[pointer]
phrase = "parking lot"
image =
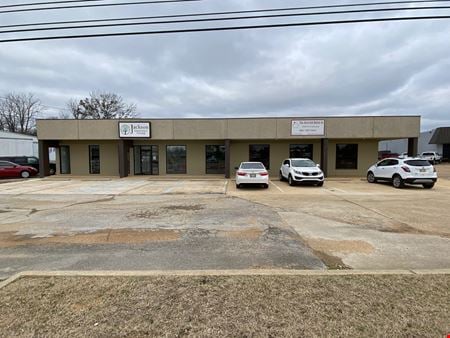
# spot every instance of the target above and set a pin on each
(142, 223)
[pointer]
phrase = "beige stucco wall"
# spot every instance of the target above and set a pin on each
(375, 127)
(79, 157)
(196, 161)
(367, 155)
(195, 154)
(279, 151)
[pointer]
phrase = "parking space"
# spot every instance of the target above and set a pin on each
(193, 224)
(366, 226)
(134, 186)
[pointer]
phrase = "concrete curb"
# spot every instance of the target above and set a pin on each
(279, 272)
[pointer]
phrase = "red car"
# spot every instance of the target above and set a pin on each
(9, 169)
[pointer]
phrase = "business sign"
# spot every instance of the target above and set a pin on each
(134, 129)
(308, 128)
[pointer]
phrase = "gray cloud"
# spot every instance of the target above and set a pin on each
(366, 69)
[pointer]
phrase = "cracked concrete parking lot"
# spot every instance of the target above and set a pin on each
(140, 224)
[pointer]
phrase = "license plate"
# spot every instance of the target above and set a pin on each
(252, 175)
(423, 170)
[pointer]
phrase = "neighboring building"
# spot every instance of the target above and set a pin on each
(437, 140)
(441, 139)
(344, 146)
(13, 144)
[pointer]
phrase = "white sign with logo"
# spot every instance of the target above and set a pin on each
(308, 128)
(134, 129)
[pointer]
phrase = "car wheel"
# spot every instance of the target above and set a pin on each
(52, 171)
(238, 186)
(320, 184)
(24, 174)
(371, 177)
(428, 185)
(281, 177)
(266, 186)
(397, 182)
(291, 180)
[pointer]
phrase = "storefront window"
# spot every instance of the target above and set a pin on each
(64, 152)
(215, 159)
(94, 159)
(176, 159)
(260, 153)
(346, 156)
(301, 151)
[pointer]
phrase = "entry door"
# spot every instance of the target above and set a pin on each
(146, 160)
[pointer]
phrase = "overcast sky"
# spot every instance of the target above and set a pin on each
(397, 68)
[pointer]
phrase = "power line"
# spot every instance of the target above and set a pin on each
(97, 5)
(216, 13)
(45, 3)
(229, 28)
(227, 18)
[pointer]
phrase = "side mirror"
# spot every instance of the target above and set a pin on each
(318, 165)
(236, 168)
(287, 165)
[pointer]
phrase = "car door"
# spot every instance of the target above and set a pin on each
(3, 171)
(391, 168)
(285, 168)
(380, 169)
(7, 169)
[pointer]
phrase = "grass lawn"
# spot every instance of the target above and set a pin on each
(351, 305)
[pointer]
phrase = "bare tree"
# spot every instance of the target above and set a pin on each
(101, 105)
(19, 111)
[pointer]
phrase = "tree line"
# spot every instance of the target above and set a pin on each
(19, 111)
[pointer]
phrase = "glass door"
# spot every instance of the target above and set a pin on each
(146, 160)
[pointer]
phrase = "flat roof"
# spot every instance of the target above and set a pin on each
(247, 128)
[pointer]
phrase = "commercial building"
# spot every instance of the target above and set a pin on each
(437, 140)
(343, 146)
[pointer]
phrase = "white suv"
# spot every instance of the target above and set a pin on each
(401, 171)
(431, 156)
(301, 170)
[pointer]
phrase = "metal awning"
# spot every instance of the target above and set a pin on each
(441, 136)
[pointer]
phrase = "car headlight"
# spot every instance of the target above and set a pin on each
(297, 172)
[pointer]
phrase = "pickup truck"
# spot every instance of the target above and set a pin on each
(431, 156)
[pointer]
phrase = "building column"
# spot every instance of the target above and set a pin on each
(227, 158)
(124, 161)
(44, 161)
(413, 146)
(324, 156)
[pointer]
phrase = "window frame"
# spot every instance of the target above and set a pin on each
(259, 160)
(338, 165)
(90, 159)
(206, 159)
(60, 160)
(302, 144)
(185, 159)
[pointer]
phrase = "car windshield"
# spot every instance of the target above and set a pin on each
(252, 166)
(428, 153)
(303, 163)
(418, 163)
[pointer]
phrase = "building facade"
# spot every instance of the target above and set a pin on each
(343, 146)
(437, 140)
(14, 144)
